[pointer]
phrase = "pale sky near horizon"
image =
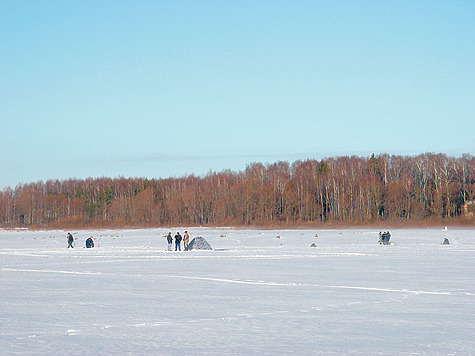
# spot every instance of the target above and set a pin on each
(167, 88)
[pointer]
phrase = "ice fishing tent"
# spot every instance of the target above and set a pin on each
(199, 243)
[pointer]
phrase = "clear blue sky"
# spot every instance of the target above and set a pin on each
(167, 88)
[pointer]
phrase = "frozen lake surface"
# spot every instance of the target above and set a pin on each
(254, 293)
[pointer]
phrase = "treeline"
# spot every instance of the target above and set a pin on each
(347, 190)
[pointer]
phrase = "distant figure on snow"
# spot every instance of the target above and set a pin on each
(170, 241)
(380, 238)
(70, 240)
(178, 241)
(386, 237)
(446, 241)
(89, 243)
(186, 239)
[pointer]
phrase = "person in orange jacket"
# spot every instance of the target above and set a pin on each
(186, 239)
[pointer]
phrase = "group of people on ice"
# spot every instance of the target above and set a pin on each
(384, 238)
(178, 239)
(89, 241)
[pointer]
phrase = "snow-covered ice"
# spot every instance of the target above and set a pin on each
(257, 292)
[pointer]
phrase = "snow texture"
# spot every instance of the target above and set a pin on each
(252, 294)
(199, 243)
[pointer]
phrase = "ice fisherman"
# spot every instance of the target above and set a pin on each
(386, 238)
(170, 241)
(89, 243)
(178, 239)
(70, 240)
(186, 239)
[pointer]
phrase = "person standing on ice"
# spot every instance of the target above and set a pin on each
(170, 241)
(388, 237)
(178, 241)
(186, 239)
(70, 240)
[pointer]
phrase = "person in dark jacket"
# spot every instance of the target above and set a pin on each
(70, 240)
(89, 243)
(178, 241)
(170, 241)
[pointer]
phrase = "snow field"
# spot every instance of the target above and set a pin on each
(253, 294)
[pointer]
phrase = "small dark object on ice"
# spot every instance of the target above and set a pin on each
(313, 245)
(384, 238)
(89, 243)
(446, 241)
(199, 243)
